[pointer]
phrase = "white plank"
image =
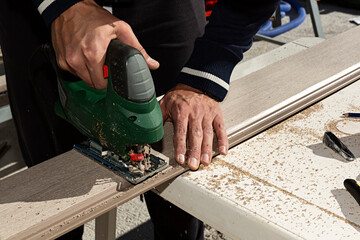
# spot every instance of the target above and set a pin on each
(283, 183)
(267, 96)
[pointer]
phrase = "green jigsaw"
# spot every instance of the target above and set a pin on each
(120, 121)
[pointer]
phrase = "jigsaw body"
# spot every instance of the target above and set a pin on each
(120, 121)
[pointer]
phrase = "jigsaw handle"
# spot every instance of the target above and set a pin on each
(128, 73)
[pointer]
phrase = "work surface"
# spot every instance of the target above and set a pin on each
(283, 183)
(56, 196)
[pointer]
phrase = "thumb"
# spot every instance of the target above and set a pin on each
(126, 35)
(152, 63)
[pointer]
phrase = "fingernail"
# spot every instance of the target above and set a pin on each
(193, 163)
(180, 158)
(222, 150)
(153, 62)
(205, 159)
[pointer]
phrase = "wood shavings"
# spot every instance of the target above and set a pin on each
(235, 175)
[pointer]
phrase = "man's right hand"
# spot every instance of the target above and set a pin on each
(81, 35)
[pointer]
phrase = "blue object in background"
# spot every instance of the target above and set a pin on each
(285, 6)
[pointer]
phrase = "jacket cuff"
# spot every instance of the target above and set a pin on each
(209, 69)
(51, 9)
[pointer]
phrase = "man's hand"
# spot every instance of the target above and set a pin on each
(194, 115)
(81, 35)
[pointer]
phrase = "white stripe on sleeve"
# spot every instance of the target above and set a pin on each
(44, 5)
(206, 75)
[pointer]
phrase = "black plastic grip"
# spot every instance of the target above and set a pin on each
(116, 55)
(353, 188)
(130, 76)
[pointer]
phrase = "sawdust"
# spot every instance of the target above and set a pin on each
(308, 111)
(332, 126)
(103, 181)
(276, 129)
(237, 172)
(285, 125)
(305, 132)
(99, 128)
(356, 108)
(211, 233)
(300, 131)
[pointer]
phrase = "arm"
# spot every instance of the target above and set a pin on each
(49, 10)
(228, 34)
(81, 32)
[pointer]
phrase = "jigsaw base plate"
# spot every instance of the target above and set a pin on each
(133, 172)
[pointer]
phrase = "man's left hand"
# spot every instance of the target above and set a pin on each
(194, 116)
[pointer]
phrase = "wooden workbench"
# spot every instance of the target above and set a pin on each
(62, 193)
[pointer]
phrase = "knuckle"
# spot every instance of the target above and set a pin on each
(179, 116)
(122, 27)
(196, 131)
(198, 113)
(182, 107)
(62, 63)
(72, 60)
(125, 25)
(90, 53)
(100, 84)
(196, 110)
(180, 130)
(220, 126)
(208, 130)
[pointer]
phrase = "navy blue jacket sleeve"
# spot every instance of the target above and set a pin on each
(51, 9)
(229, 33)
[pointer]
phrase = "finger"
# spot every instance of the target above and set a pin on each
(75, 66)
(180, 131)
(206, 146)
(165, 115)
(63, 64)
(195, 137)
(85, 76)
(94, 55)
(130, 39)
(96, 74)
(220, 131)
(61, 61)
(96, 77)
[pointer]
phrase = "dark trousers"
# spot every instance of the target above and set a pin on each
(32, 86)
